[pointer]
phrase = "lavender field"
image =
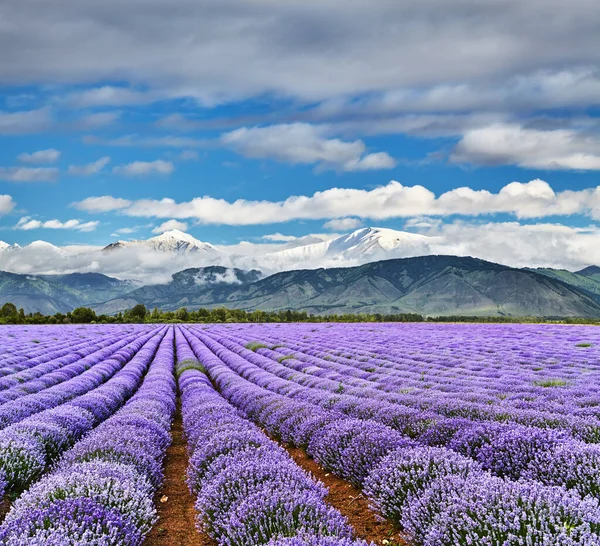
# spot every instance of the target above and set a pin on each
(450, 434)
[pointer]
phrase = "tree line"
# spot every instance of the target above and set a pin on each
(9, 314)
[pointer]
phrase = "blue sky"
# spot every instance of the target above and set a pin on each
(106, 111)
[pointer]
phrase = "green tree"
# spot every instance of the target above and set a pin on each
(83, 315)
(137, 313)
(9, 310)
(182, 314)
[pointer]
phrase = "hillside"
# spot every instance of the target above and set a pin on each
(431, 285)
(587, 280)
(51, 294)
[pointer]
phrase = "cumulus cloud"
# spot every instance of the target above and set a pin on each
(28, 174)
(540, 245)
(248, 49)
(228, 277)
(105, 203)
(90, 168)
(96, 120)
(169, 225)
(25, 122)
(343, 224)
(511, 144)
(6, 204)
(27, 223)
(279, 238)
(545, 244)
(109, 95)
(534, 199)
(144, 168)
(128, 141)
(303, 143)
(124, 231)
(40, 157)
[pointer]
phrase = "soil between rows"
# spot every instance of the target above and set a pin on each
(351, 503)
(176, 524)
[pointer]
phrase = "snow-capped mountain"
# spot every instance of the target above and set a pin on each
(170, 241)
(41, 246)
(6, 246)
(157, 258)
(361, 246)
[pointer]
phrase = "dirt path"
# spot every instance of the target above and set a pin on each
(176, 524)
(351, 503)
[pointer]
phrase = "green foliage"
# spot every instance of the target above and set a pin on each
(139, 313)
(255, 346)
(583, 345)
(549, 383)
(83, 315)
(285, 357)
(185, 365)
(136, 314)
(8, 310)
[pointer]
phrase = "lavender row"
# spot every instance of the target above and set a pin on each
(30, 446)
(51, 372)
(508, 450)
(417, 486)
(93, 373)
(472, 405)
(394, 357)
(248, 490)
(51, 338)
(102, 489)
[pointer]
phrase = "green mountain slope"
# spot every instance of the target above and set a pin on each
(431, 285)
(51, 294)
(588, 279)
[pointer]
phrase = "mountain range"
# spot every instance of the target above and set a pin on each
(430, 285)
(154, 260)
(287, 279)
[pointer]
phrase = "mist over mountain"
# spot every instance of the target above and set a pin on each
(154, 260)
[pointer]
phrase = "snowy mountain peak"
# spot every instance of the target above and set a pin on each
(361, 246)
(42, 245)
(169, 241)
(366, 241)
(3, 245)
(175, 234)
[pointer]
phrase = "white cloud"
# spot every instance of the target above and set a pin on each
(109, 96)
(27, 223)
(127, 141)
(96, 120)
(554, 245)
(90, 168)
(169, 225)
(124, 231)
(6, 204)
(534, 199)
(144, 168)
(511, 144)
(105, 203)
(422, 223)
(279, 238)
(24, 122)
(40, 157)
(343, 224)
(28, 174)
(314, 50)
(303, 143)
(539, 245)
